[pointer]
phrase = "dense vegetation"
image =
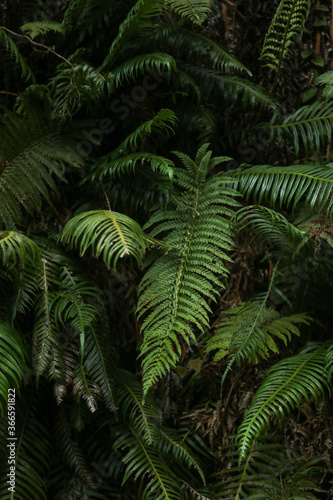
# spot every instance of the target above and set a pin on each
(166, 249)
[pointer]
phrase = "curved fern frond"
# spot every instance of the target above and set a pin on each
(110, 234)
(269, 227)
(144, 459)
(37, 28)
(130, 395)
(16, 248)
(161, 125)
(311, 125)
(174, 290)
(30, 155)
(229, 86)
(157, 62)
(129, 163)
(195, 10)
(287, 383)
(327, 80)
(13, 355)
(285, 185)
(288, 21)
(11, 48)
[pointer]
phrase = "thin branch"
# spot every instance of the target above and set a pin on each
(37, 44)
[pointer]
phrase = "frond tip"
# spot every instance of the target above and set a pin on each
(110, 234)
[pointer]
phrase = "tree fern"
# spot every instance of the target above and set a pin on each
(287, 185)
(16, 248)
(173, 291)
(110, 234)
(288, 22)
(287, 383)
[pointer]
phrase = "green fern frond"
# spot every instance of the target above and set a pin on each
(269, 227)
(310, 125)
(229, 86)
(287, 185)
(73, 455)
(288, 22)
(195, 10)
(145, 416)
(174, 290)
(161, 125)
(98, 365)
(327, 80)
(13, 51)
(24, 289)
(31, 154)
(110, 234)
(37, 28)
(144, 459)
(246, 333)
(156, 62)
(287, 383)
(78, 84)
(46, 351)
(129, 163)
(16, 248)
(14, 356)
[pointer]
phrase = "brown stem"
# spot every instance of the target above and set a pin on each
(37, 44)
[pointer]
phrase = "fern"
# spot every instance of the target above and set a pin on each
(16, 248)
(327, 80)
(129, 163)
(30, 155)
(287, 383)
(195, 10)
(142, 64)
(287, 23)
(13, 51)
(174, 289)
(270, 228)
(110, 234)
(287, 185)
(37, 28)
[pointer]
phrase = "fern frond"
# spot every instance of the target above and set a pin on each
(310, 125)
(327, 80)
(229, 86)
(37, 28)
(195, 10)
(288, 22)
(31, 153)
(161, 125)
(14, 356)
(156, 62)
(144, 459)
(110, 234)
(129, 163)
(174, 290)
(287, 185)
(98, 364)
(269, 227)
(46, 351)
(24, 289)
(246, 333)
(287, 383)
(13, 51)
(16, 248)
(145, 416)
